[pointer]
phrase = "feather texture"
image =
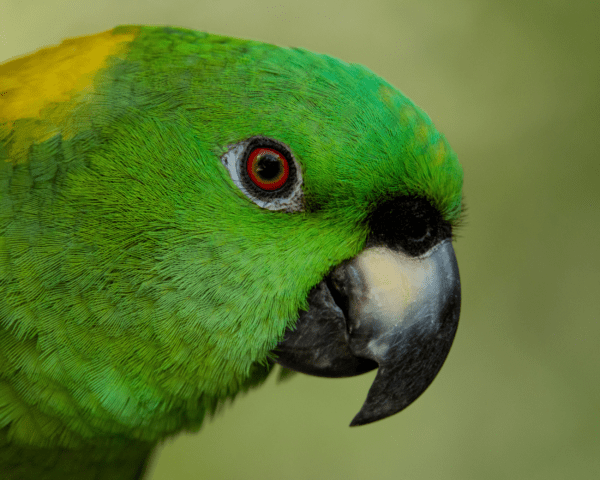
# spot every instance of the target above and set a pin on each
(138, 286)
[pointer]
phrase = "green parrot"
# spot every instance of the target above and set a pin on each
(181, 211)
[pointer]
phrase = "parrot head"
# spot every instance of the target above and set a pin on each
(204, 206)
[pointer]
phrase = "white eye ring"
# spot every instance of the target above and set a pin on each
(290, 199)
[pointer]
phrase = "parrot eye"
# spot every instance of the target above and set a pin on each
(265, 170)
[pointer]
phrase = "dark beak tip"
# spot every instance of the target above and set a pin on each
(372, 411)
(359, 420)
(367, 415)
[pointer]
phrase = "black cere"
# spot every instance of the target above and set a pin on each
(410, 223)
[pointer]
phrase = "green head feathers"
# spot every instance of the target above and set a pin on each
(138, 284)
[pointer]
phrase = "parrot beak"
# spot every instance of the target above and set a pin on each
(385, 309)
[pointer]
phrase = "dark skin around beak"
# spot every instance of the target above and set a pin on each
(385, 309)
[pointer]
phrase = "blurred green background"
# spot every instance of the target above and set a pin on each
(515, 87)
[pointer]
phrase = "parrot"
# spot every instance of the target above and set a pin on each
(181, 212)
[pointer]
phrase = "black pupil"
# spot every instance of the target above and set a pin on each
(268, 167)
